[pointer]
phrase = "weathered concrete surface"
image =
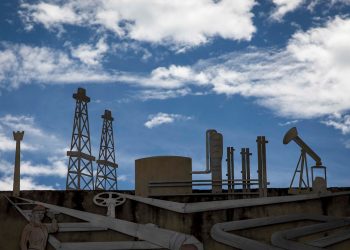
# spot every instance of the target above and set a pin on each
(197, 224)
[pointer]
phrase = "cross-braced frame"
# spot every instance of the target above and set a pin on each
(80, 169)
(106, 175)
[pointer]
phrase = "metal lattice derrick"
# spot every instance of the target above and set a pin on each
(80, 168)
(106, 175)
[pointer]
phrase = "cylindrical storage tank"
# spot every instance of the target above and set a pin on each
(163, 171)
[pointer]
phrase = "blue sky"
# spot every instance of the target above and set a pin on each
(170, 70)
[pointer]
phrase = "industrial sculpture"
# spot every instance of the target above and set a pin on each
(109, 200)
(18, 137)
(214, 151)
(35, 233)
(262, 174)
(246, 181)
(106, 175)
(150, 236)
(230, 169)
(301, 168)
(246, 169)
(80, 172)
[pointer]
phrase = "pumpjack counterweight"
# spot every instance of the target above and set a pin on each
(106, 175)
(80, 169)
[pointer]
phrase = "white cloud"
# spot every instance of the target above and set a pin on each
(22, 64)
(21, 122)
(179, 23)
(49, 15)
(55, 167)
(347, 144)
(91, 55)
(307, 79)
(288, 123)
(164, 118)
(175, 76)
(10, 123)
(122, 177)
(284, 6)
(156, 94)
(123, 48)
(35, 138)
(340, 122)
(27, 183)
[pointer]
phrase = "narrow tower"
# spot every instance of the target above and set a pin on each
(106, 176)
(80, 173)
(18, 137)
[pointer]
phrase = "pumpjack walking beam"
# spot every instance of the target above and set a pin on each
(106, 176)
(80, 169)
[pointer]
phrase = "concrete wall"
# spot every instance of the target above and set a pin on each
(197, 224)
(162, 168)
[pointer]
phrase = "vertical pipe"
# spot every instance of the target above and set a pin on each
(264, 173)
(307, 172)
(244, 177)
(232, 169)
(17, 136)
(228, 160)
(216, 153)
(247, 155)
(301, 169)
(260, 168)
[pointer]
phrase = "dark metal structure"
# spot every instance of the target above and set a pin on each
(106, 175)
(18, 137)
(302, 166)
(245, 169)
(230, 169)
(80, 169)
(262, 175)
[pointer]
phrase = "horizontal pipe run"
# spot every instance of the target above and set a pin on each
(189, 181)
(197, 184)
(159, 236)
(196, 207)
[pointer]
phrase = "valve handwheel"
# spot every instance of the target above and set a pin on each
(109, 200)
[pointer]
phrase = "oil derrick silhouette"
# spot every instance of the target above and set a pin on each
(80, 171)
(106, 176)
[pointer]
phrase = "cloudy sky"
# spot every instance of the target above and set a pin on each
(170, 70)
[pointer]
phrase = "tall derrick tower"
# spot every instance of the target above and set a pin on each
(106, 176)
(80, 170)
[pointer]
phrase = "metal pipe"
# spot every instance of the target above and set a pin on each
(191, 181)
(162, 237)
(195, 207)
(18, 137)
(221, 231)
(308, 150)
(264, 173)
(199, 184)
(207, 153)
(247, 155)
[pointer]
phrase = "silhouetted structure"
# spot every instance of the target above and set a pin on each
(245, 169)
(302, 166)
(106, 175)
(230, 169)
(80, 173)
(262, 175)
(18, 137)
